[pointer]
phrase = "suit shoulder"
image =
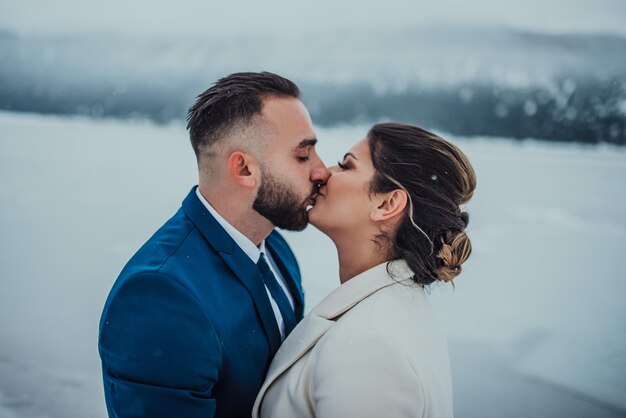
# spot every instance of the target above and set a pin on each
(150, 322)
(175, 234)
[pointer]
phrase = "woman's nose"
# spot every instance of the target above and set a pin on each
(334, 169)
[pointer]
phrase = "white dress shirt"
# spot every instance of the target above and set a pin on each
(254, 253)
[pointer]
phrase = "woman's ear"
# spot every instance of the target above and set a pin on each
(243, 168)
(389, 205)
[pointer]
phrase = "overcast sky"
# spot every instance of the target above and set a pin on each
(202, 17)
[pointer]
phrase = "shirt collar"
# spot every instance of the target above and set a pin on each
(240, 239)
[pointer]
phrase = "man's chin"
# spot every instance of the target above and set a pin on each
(294, 223)
(293, 227)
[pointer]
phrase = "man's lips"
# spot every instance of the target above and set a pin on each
(310, 202)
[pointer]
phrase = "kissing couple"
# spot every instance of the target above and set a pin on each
(206, 319)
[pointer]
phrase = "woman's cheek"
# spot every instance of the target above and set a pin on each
(350, 210)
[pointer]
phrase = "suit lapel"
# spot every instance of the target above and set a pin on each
(244, 269)
(249, 275)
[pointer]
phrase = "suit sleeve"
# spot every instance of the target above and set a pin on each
(362, 374)
(160, 353)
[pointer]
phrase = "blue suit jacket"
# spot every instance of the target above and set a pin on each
(188, 329)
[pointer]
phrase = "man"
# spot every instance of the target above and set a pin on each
(197, 314)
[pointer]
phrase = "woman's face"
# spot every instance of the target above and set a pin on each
(344, 202)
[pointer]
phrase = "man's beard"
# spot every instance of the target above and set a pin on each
(280, 204)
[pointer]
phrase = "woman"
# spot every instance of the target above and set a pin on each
(373, 347)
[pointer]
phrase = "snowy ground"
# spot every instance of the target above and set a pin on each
(537, 321)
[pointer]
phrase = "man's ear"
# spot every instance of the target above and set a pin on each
(243, 168)
(388, 205)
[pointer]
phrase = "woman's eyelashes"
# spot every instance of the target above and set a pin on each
(347, 164)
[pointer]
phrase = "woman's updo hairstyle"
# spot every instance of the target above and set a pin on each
(437, 178)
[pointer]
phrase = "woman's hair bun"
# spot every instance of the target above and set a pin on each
(455, 250)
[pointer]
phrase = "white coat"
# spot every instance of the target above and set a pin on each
(372, 348)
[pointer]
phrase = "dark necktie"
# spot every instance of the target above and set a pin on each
(289, 317)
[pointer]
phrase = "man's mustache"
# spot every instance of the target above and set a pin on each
(314, 192)
(316, 189)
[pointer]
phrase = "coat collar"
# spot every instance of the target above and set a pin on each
(360, 287)
(304, 337)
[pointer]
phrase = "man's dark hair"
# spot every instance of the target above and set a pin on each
(232, 101)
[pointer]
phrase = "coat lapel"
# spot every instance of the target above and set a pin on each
(300, 341)
(244, 269)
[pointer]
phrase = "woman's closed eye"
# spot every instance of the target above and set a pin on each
(343, 166)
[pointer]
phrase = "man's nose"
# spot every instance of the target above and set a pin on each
(320, 174)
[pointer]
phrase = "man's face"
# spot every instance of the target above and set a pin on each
(291, 170)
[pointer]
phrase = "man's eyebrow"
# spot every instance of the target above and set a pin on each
(310, 142)
(351, 155)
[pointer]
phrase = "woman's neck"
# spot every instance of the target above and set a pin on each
(357, 256)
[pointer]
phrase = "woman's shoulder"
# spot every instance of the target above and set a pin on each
(400, 312)
(401, 302)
